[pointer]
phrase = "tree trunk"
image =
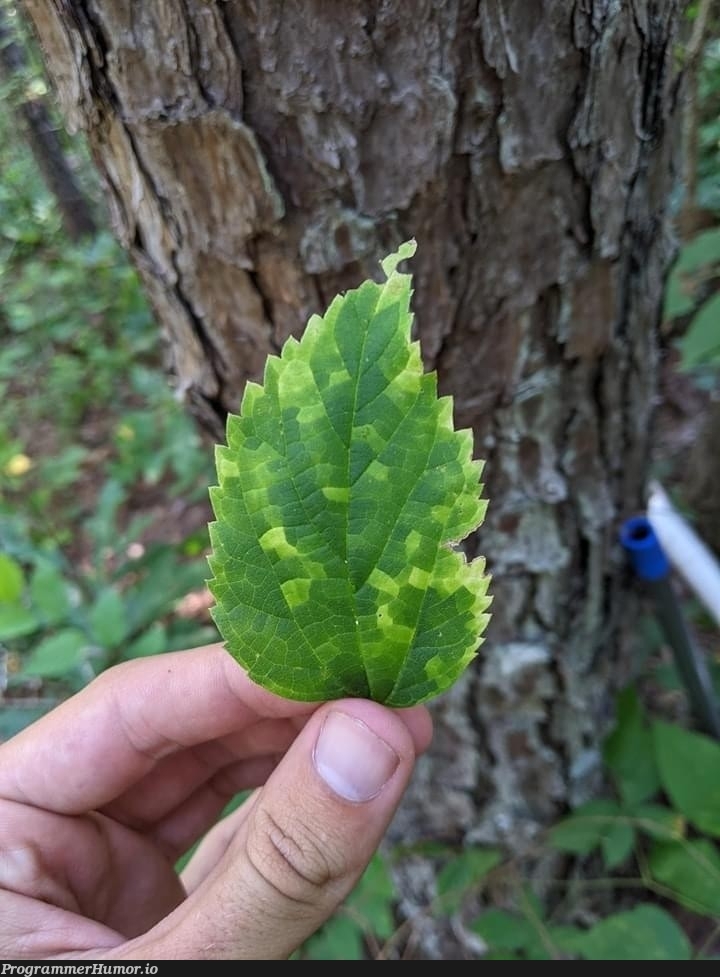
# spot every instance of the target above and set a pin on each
(43, 139)
(262, 157)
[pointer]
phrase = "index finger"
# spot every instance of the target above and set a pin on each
(96, 745)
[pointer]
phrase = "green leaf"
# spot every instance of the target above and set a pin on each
(701, 251)
(695, 263)
(16, 621)
(108, 619)
(339, 939)
(629, 754)
(14, 718)
(668, 678)
(463, 873)
(509, 933)
(691, 870)
(689, 765)
(585, 830)
(677, 300)
(12, 580)
(645, 932)
(701, 343)
(151, 642)
(617, 843)
(367, 912)
(373, 898)
(49, 593)
(57, 654)
(659, 822)
(567, 939)
(503, 955)
(530, 902)
(232, 805)
(502, 930)
(342, 493)
(190, 636)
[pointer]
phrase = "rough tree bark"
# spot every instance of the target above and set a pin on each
(261, 157)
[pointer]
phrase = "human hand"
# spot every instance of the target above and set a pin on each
(99, 799)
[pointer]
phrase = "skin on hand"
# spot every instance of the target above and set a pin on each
(100, 798)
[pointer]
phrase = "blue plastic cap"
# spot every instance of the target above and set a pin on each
(646, 554)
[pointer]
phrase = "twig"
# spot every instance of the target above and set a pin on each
(537, 924)
(707, 942)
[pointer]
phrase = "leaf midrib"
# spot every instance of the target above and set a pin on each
(351, 429)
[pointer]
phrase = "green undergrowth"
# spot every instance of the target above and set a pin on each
(103, 476)
(648, 849)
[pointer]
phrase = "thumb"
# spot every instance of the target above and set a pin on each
(307, 838)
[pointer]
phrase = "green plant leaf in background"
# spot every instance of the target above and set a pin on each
(108, 619)
(366, 917)
(628, 752)
(504, 931)
(341, 938)
(342, 494)
(14, 718)
(12, 580)
(659, 822)
(510, 936)
(57, 654)
(462, 874)
(151, 642)
(691, 871)
(617, 843)
(587, 827)
(689, 765)
(701, 343)
(700, 253)
(697, 261)
(645, 932)
(16, 621)
(49, 593)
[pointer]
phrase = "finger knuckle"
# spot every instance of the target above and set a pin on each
(293, 859)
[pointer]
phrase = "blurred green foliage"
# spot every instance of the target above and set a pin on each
(694, 298)
(692, 302)
(709, 127)
(655, 838)
(89, 430)
(648, 847)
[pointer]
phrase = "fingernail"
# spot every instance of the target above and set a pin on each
(351, 759)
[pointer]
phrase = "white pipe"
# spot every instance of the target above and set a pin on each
(685, 550)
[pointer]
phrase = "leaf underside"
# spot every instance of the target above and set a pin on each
(342, 489)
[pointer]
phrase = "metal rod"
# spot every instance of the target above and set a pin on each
(652, 567)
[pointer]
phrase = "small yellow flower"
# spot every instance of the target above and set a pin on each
(125, 432)
(679, 827)
(18, 465)
(13, 664)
